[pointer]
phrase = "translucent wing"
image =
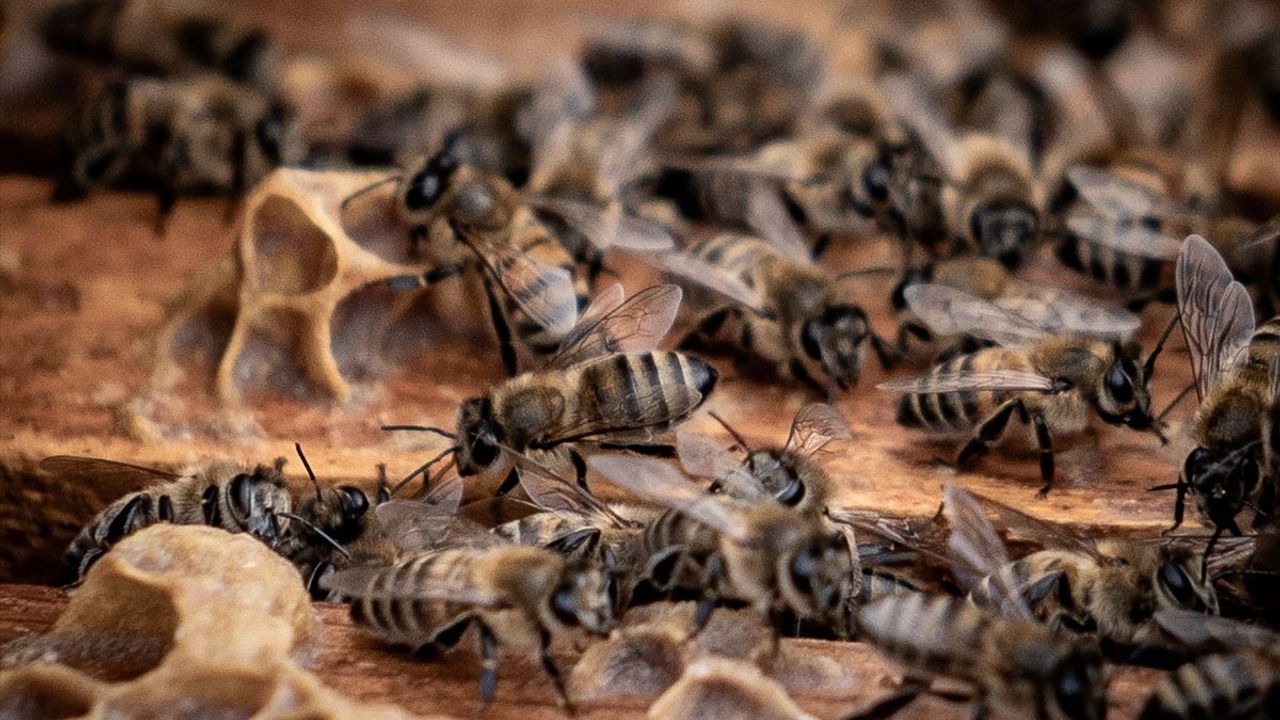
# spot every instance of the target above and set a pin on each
(1217, 316)
(447, 495)
(1265, 234)
(1127, 237)
(1208, 633)
(544, 292)
(948, 311)
(818, 428)
(550, 491)
(387, 584)
(634, 325)
(554, 117)
(608, 225)
(780, 168)
(659, 482)
(713, 278)
(700, 456)
(107, 478)
(940, 383)
(918, 111)
(1037, 530)
(1116, 198)
(978, 550)
(621, 159)
(769, 218)
(413, 525)
(1061, 312)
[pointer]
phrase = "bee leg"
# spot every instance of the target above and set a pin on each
(1045, 441)
(799, 372)
(509, 483)
(1213, 540)
(710, 595)
(891, 703)
(209, 506)
(988, 433)
(489, 655)
(165, 513)
(553, 671)
(1179, 507)
(502, 330)
(910, 329)
(662, 450)
(579, 469)
(445, 638)
(821, 245)
(886, 352)
(705, 330)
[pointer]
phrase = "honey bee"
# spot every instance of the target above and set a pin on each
(989, 200)
(1236, 370)
(220, 495)
(1234, 672)
(1014, 663)
(192, 135)
(759, 552)
(784, 310)
(1112, 587)
(606, 388)
(521, 595)
(1053, 379)
(164, 39)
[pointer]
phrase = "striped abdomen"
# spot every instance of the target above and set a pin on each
(646, 392)
(739, 255)
(1241, 685)
(122, 518)
(1027, 577)
(936, 634)
(1116, 268)
(878, 584)
(960, 411)
(387, 608)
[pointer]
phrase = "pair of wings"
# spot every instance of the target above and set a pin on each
(1013, 321)
(108, 479)
(817, 431)
(1216, 313)
(1118, 213)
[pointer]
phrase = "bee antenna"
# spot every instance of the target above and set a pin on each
(732, 433)
(316, 529)
(421, 428)
(1170, 486)
(315, 483)
(366, 189)
(1181, 396)
(1150, 366)
(427, 482)
(423, 468)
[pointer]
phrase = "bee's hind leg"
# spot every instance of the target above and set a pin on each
(988, 433)
(1045, 441)
(553, 671)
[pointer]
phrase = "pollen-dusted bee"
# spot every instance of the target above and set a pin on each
(220, 494)
(759, 552)
(990, 200)
(1014, 663)
(1055, 381)
(606, 387)
(519, 596)
(1237, 376)
(1111, 587)
(1234, 673)
(782, 308)
(192, 135)
(165, 39)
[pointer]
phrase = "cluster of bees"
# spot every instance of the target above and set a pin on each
(731, 157)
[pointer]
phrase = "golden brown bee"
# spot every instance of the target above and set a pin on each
(783, 309)
(990, 200)
(160, 39)
(605, 388)
(219, 494)
(1234, 673)
(1236, 372)
(758, 552)
(1054, 380)
(1111, 587)
(193, 135)
(521, 596)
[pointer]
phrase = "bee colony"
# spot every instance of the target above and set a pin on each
(853, 360)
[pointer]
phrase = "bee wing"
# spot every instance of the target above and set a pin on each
(1116, 198)
(633, 325)
(554, 116)
(1265, 234)
(941, 383)
(659, 482)
(621, 159)
(977, 550)
(713, 278)
(948, 311)
(447, 495)
(1217, 315)
(911, 101)
(544, 292)
(413, 525)
(1037, 530)
(108, 478)
(702, 457)
(383, 583)
(928, 539)
(608, 225)
(1208, 633)
(434, 57)
(818, 428)
(776, 169)
(1057, 311)
(552, 492)
(1130, 238)
(769, 218)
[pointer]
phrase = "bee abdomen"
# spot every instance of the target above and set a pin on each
(393, 614)
(1214, 686)
(946, 412)
(878, 584)
(646, 390)
(927, 632)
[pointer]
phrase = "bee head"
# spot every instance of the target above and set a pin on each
(1221, 482)
(582, 598)
(819, 573)
(1179, 583)
(479, 442)
(780, 476)
(913, 276)
(1004, 230)
(253, 500)
(426, 186)
(1123, 397)
(835, 340)
(1079, 689)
